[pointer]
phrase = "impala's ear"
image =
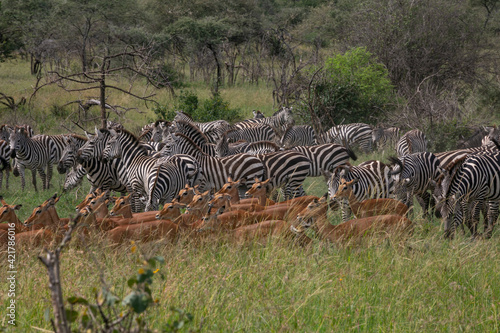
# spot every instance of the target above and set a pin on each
(17, 207)
(206, 193)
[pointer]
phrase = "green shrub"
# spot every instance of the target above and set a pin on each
(351, 87)
(205, 110)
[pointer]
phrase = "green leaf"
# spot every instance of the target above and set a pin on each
(77, 300)
(131, 282)
(71, 315)
(138, 301)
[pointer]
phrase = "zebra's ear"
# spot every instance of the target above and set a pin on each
(113, 133)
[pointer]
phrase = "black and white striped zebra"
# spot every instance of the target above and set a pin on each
(287, 171)
(258, 115)
(412, 142)
(259, 132)
(261, 147)
(476, 183)
(223, 148)
(415, 175)
(493, 134)
(326, 157)
(217, 170)
(212, 129)
(100, 175)
(278, 122)
(5, 161)
(374, 181)
(112, 174)
(301, 135)
(385, 137)
(196, 135)
(155, 181)
(349, 135)
(31, 153)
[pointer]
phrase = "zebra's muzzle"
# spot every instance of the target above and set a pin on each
(13, 153)
(61, 168)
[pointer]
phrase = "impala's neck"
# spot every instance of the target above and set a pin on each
(101, 210)
(18, 225)
(125, 211)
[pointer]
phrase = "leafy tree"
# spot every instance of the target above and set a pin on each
(351, 87)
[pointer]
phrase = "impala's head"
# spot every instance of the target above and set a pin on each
(199, 202)
(101, 199)
(8, 212)
(87, 199)
(345, 188)
(170, 211)
(259, 188)
(315, 210)
(231, 187)
(220, 201)
(121, 204)
(187, 194)
(41, 216)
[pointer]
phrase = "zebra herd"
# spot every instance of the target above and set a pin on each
(154, 166)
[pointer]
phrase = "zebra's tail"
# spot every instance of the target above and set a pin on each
(394, 160)
(150, 202)
(351, 154)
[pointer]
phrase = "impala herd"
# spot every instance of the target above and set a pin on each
(199, 214)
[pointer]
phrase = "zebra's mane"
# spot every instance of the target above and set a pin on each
(191, 142)
(394, 160)
(137, 143)
(193, 130)
(79, 137)
(268, 143)
(144, 133)
(182, 113)
(161, 121)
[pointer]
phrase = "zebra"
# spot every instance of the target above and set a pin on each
(287, 170)
(5, 160)
(474, 184)
(258, 115)
(259, 132)
(153, 132)
(223, 148)
(415, 174)
(278, 121)
(325, 157)
(383, 137)
(90, 155)
(493, 133)
(156, 181)
(412, 142)
(217, 170)
(100, 175)
(212, 129)
(374, 182)
(348, 135)
(194, 133)
(32, 153)
(301, 135)
(261, 147)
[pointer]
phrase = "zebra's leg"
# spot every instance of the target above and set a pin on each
(1, 178)
(424, 201)
(33, 178)
(493, 213)
(7, 174)
(19, 169)
(473, 222)
(43, 176)
(49, 175)
(346, 210)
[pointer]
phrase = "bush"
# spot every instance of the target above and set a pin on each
(352, 87)
(210, 109)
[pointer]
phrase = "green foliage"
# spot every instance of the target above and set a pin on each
(206, 110)
(445, 135)
(352, 87)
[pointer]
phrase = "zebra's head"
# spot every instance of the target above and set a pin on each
(72, 180)
(68, 155)
(18, 138)
(5, 132)
(94, 146)
(113, 147)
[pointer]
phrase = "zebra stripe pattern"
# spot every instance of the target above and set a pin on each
(217, 170)
(415, 175)
(287, 170)
(261, 147)
(475, 184)
(384, 137)
(412, 142)
(107, 176)
(325, 157)
(32, 153)
(155, 181)
(259, 132)
(374, 182)
(301, 135)
(349, 135)
(5, 160)
(212, 129)
(278, 122)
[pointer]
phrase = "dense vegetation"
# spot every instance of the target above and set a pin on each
(426, 64)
